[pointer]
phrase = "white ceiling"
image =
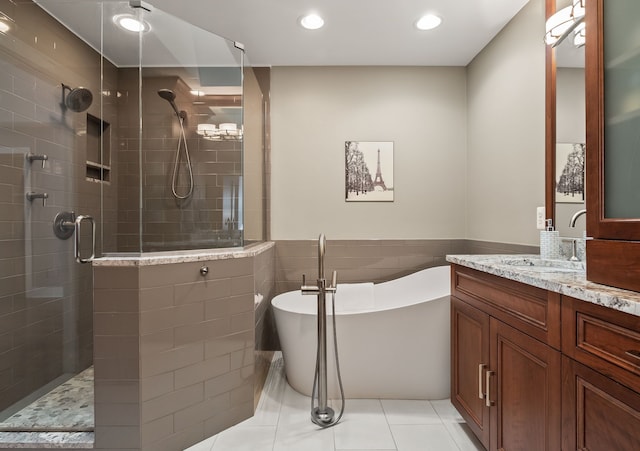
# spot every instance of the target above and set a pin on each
(356, 32)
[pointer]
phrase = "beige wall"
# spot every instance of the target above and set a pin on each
(316, 109)
(506, 112)
(469, 144)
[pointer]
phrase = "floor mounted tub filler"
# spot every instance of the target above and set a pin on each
(393, 337)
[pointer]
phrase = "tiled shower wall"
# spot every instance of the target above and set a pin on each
(45, 297)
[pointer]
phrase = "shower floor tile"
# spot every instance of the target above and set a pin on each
(66, 408)
(282, 423)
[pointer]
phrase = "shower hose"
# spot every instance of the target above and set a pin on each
(176, 164)
(315, 378)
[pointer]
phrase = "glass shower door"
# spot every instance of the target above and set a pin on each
(49, 105)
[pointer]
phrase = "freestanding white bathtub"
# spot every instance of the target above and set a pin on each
(393, 337)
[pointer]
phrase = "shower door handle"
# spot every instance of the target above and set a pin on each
(78, 228)
(66, 223)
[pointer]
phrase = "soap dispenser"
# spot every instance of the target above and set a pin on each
(549, 242)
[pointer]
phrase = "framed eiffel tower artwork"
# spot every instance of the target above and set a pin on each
(368, 174)
(570, 159)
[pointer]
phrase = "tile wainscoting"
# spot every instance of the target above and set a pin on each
(373, 260)
(175, 351)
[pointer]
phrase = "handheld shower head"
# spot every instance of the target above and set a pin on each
(167, 94)
(170, 96)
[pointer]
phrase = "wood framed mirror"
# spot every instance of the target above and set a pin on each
(565, 125)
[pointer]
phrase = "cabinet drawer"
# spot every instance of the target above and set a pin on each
(530, 309)
(605, 339)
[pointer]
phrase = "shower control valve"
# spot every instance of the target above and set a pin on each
(31, 196)
(31, 157)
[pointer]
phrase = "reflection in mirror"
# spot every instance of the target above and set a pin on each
(570, 135)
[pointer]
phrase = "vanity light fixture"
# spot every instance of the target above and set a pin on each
(579, 37)
(428, 22)
(225, 132)
(311, 21)
(5, 23)
(563, 22)
(131, 23)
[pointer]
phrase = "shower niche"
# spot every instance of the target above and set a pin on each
(98, 149)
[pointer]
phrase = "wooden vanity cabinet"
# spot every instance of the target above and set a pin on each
(505, 383)
(522, 385)
(601, 378)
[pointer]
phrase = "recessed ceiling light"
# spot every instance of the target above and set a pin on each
(4, 27)
(428, 22)
(131, 23)
(312, 22)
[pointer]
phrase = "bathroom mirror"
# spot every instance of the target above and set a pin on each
(566, 132)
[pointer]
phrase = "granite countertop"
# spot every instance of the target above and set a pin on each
(559, 276)
(170, 257)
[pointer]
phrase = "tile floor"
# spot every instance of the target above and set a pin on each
(282, 423)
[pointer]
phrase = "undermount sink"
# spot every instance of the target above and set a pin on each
(540, 265)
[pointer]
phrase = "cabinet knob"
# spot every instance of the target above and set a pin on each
(204, 270)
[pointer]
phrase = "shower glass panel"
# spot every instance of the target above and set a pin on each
(191, 143)
(140, 131)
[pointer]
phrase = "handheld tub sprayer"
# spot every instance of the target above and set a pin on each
(322, 414)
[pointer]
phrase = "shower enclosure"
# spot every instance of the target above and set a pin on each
(91, 157)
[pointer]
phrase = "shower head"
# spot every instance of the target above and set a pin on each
(77, 99)
(170, 96)
(167, 94)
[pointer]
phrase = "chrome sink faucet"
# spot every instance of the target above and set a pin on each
(574, 218)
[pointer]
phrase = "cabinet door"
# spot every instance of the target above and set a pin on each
(612, 61)
(470, 362)
(598, 414)
(525, 390)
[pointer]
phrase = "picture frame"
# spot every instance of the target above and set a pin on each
(369, 171)
(569, 178)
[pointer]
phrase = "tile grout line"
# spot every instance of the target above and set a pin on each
(384, 412)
